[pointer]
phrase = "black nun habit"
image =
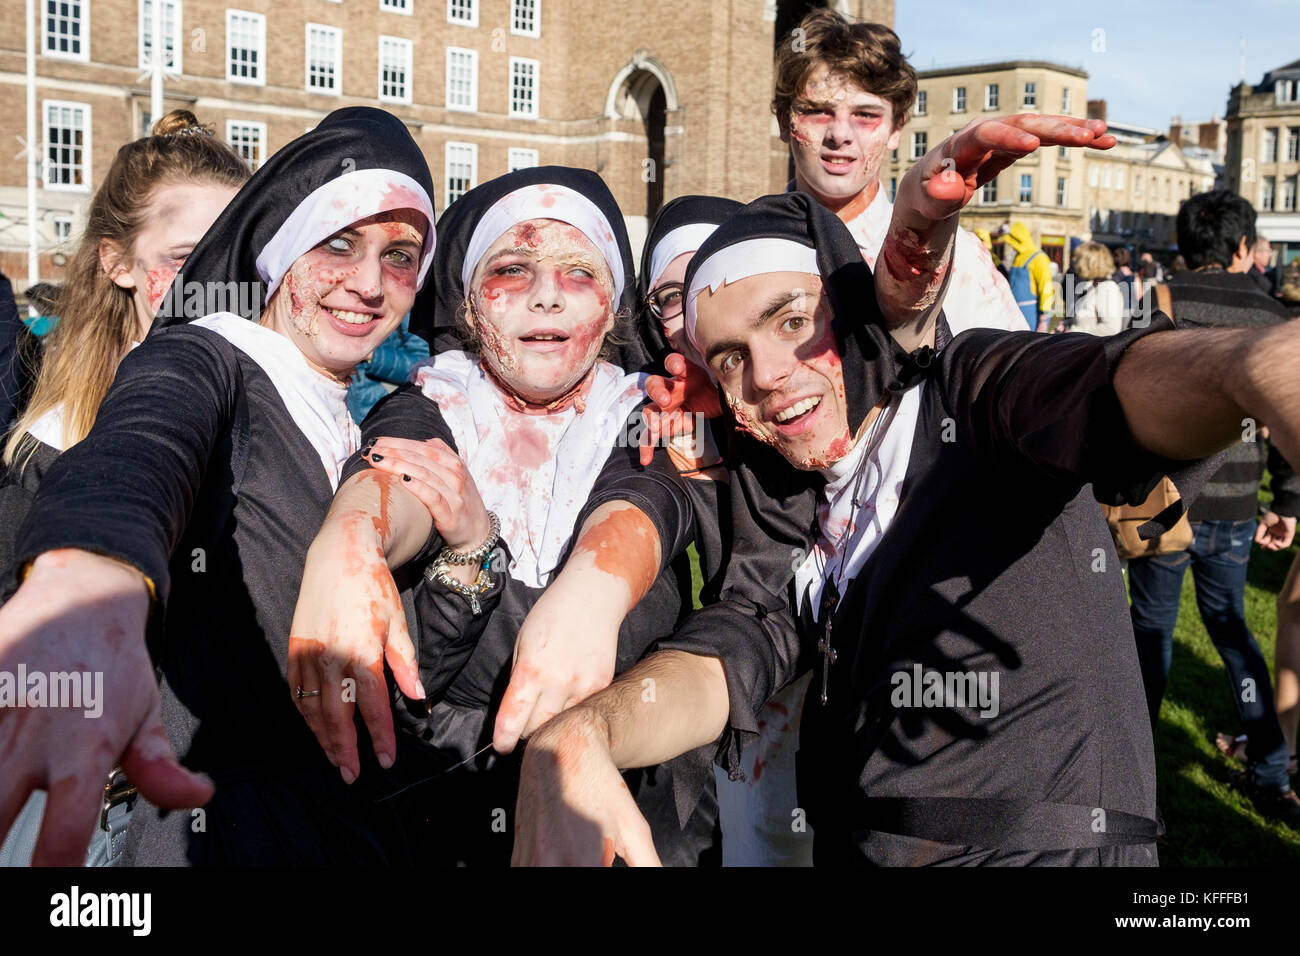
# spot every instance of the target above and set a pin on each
(210, 468)
(983, 701)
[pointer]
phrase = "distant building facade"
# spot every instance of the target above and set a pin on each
(1045, 189)
(661, 97)
(1263, 154)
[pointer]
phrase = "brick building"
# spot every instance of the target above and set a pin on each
(662, 97)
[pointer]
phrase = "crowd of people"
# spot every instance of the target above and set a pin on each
(384, 550)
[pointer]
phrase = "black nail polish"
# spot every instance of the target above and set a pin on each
(406, 477)
(376, 457)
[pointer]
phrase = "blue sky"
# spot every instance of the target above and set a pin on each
(1160, 57)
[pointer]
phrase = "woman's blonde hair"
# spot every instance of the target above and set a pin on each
(1092, 260)
(97, 318)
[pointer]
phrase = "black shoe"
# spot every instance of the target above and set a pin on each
(1274, 802)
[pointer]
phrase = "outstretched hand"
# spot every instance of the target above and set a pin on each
(943, 181)
(677, 402)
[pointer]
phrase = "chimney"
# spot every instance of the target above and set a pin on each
(1176, 130)
(1097, 109)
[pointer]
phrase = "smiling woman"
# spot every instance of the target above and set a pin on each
(223, 440)
(525, 434)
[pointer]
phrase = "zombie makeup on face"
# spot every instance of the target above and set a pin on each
(838, 135)
(540, 303)
(770, 341)
(342, 298)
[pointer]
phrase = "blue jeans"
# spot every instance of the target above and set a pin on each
(1218, 556)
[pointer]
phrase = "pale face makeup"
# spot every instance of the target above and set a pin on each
(674, 327)
(342, 298)
(768, 339)
(839, 134)
(175, 220)
(540, 302)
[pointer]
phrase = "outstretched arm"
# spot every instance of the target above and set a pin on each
(573, 808)
(913, 267)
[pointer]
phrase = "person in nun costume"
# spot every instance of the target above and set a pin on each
(975, 696)
(195, 496)
(536, 268)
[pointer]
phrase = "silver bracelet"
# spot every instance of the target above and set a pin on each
(440, 572)
(447, 556)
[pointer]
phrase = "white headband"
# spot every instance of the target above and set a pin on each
(751, 257)
(544, 201)
(336, 205)
(680, 241)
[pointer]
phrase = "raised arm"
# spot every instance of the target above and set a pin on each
(913, 267)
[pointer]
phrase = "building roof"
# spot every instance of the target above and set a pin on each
(1266, 84)
(1001, 66)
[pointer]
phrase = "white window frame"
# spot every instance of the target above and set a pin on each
(992, 96)
(86, 168)
(256, 126)
(1020, 193)
(515, 6)
(452, 146)
(1066, 96)
(1062, 191)
(989, 192)
(1268, 144)
(922, 102)
(260, 20)
(520, 157)
(470, 5)
(1029, 96)
(1119, 177)
(1289, 188)
(396, 6)
(62, 219)
(920, 138)
(959, 99)
(408, 69)
(1094, 175)
(83, 18)
(535, 112)
(1292, 144)
(146, 20)
(1105, 178)
(336, 34)
(472, 55)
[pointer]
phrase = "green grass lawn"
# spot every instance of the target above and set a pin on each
(1208, 822)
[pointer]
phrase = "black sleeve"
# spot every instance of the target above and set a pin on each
(447, 631)
(1047, 403)
(656, 490)
(126, 490)
(1285, 484)
(759, 649)
(406, 412)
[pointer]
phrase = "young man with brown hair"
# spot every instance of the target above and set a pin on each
(844, 91)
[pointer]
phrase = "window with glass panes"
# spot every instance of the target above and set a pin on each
(462, 79)
(519, 158)
(64, 27)
(67, 126)
(463, 12)
(171, 29)
(324, 58)
(526, 17)
(919, 144)
(1026, 187)
(523, 87)
(395, 69)
(1031, 95)
(461, 160)
(248, 139)
(991, 96)
(245, 46)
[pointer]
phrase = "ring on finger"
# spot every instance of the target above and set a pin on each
(300, 693)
